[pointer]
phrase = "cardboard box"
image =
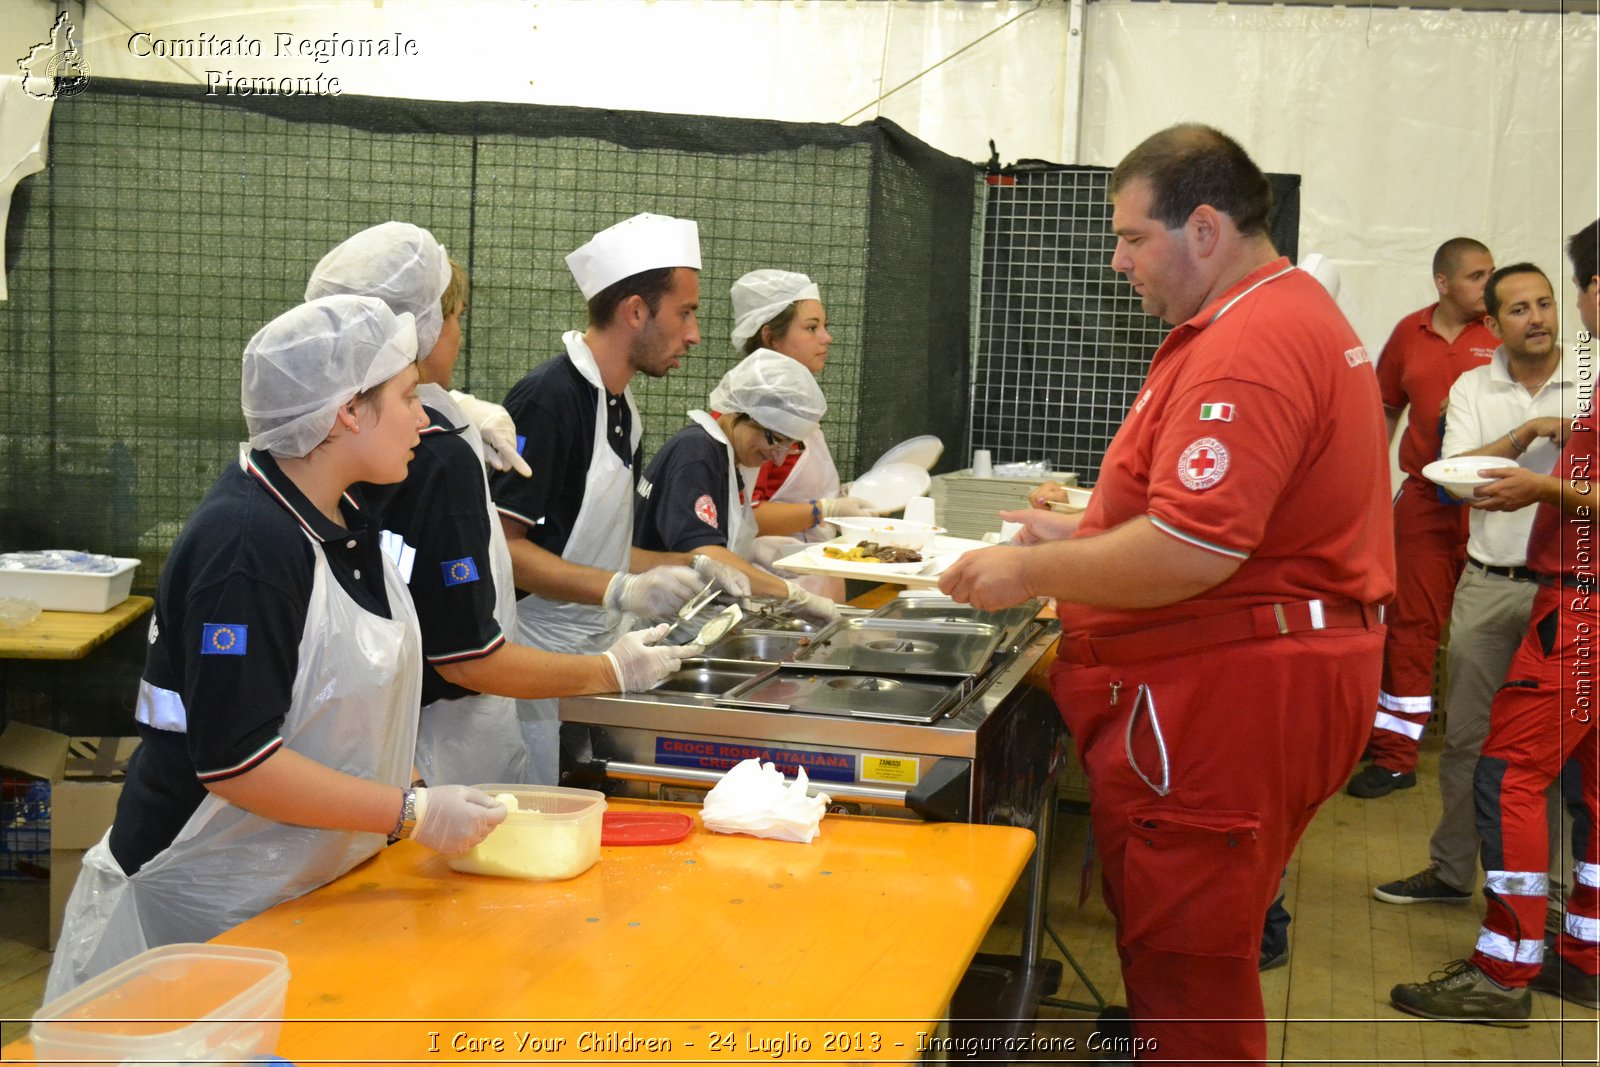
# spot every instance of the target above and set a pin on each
(85, 776)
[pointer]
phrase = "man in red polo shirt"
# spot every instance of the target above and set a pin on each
(1221, 644)
(1426, 353)
(1544, 714)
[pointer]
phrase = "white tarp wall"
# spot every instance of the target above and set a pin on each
(1408, 127)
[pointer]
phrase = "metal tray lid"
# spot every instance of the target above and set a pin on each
(865, 696)
(903, 646)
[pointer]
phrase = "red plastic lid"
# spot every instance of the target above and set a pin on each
(644, 827)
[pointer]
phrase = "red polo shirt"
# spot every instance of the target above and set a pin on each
(1566, 544)
(1259, 435)
(1417, 367)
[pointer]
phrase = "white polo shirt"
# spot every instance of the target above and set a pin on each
(1486, 403)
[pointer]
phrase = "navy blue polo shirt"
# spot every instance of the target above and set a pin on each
(682, 503)
(553, 407)
(440, 516)
(224, 650)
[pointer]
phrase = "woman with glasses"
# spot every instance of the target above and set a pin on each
(694, 497)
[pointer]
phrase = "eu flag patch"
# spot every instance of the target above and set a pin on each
(460, 571)
(224, 639)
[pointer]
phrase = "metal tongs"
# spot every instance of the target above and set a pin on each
(693, 607)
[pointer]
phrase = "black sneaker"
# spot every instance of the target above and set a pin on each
(1272, 961)
(1424, 887)
(1373, 781)
(1115, 1030)
(1567, 982)
(1463, 994)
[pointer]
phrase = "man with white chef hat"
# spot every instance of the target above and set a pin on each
(569, 527)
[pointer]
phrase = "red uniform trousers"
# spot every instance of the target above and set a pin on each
(1430, 548)
(1258, 733)
(1545, 713)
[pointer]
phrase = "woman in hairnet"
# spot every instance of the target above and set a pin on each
(692, 496)
(278, 707)
(782, 311)
(451, 550)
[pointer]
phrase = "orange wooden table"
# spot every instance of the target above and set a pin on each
(719, 949)
(70, 634)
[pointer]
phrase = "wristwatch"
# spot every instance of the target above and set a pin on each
(408, 817)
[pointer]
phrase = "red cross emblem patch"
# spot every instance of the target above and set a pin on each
(705, 509)
(1203, 464)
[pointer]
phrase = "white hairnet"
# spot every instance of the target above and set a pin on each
(300, 367)
(759, 296)
(1322, 269)
(776, 391)
(400, 264)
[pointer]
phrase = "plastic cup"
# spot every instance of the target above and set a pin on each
(982, 464)
(920, 509)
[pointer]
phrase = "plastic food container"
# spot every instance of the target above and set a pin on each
(71, 590)
(901, 533)
(174, 1004)
(554, 833)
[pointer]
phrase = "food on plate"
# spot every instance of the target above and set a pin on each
(871, 552)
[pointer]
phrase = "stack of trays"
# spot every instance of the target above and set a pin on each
(968, 506)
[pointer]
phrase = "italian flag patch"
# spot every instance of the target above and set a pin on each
(1216, 412)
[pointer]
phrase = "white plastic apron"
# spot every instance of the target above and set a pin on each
(602, 537)
(813, 477)
(475, 740)
(741, 518)
(352, 708)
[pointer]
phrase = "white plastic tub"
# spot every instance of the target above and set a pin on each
(174, 1004)
(554, 833)
(71, 590)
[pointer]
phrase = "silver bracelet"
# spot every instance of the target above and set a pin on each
(1511, 435)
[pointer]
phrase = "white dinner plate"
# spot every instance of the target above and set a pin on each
(887, 488)
(817, 554)
(923, 451)
(1460, 474)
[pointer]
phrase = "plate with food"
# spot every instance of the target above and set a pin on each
(881, 558)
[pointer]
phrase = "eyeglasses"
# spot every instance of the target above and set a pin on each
(774, 441)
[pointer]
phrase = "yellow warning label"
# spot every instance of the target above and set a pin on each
(901, 770)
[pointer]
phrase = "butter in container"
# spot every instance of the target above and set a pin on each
(550, 833)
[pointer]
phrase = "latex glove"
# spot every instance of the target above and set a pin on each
(730, 580)
(640, 661)
(656, 594)
(769, 550)
(810, 606)
(835, 507)
(499, 433)
(453, 818)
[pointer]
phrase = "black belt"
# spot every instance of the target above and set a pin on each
(1516, 574)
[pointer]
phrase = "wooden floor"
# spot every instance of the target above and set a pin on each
(1329, 1005)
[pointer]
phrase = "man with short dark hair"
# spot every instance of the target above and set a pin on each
(1219, 599)
(1428, 350)
(1500, 409)
(570, 525)
(1543, 715)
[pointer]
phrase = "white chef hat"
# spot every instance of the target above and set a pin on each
(300, 367)
(633, 246)
(400, 264)
(1322, 269)
(759, 296)
(776, 391)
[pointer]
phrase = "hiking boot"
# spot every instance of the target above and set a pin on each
(1373, 781)
(1424, 887)
(1463, 994)
(1560, 977)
